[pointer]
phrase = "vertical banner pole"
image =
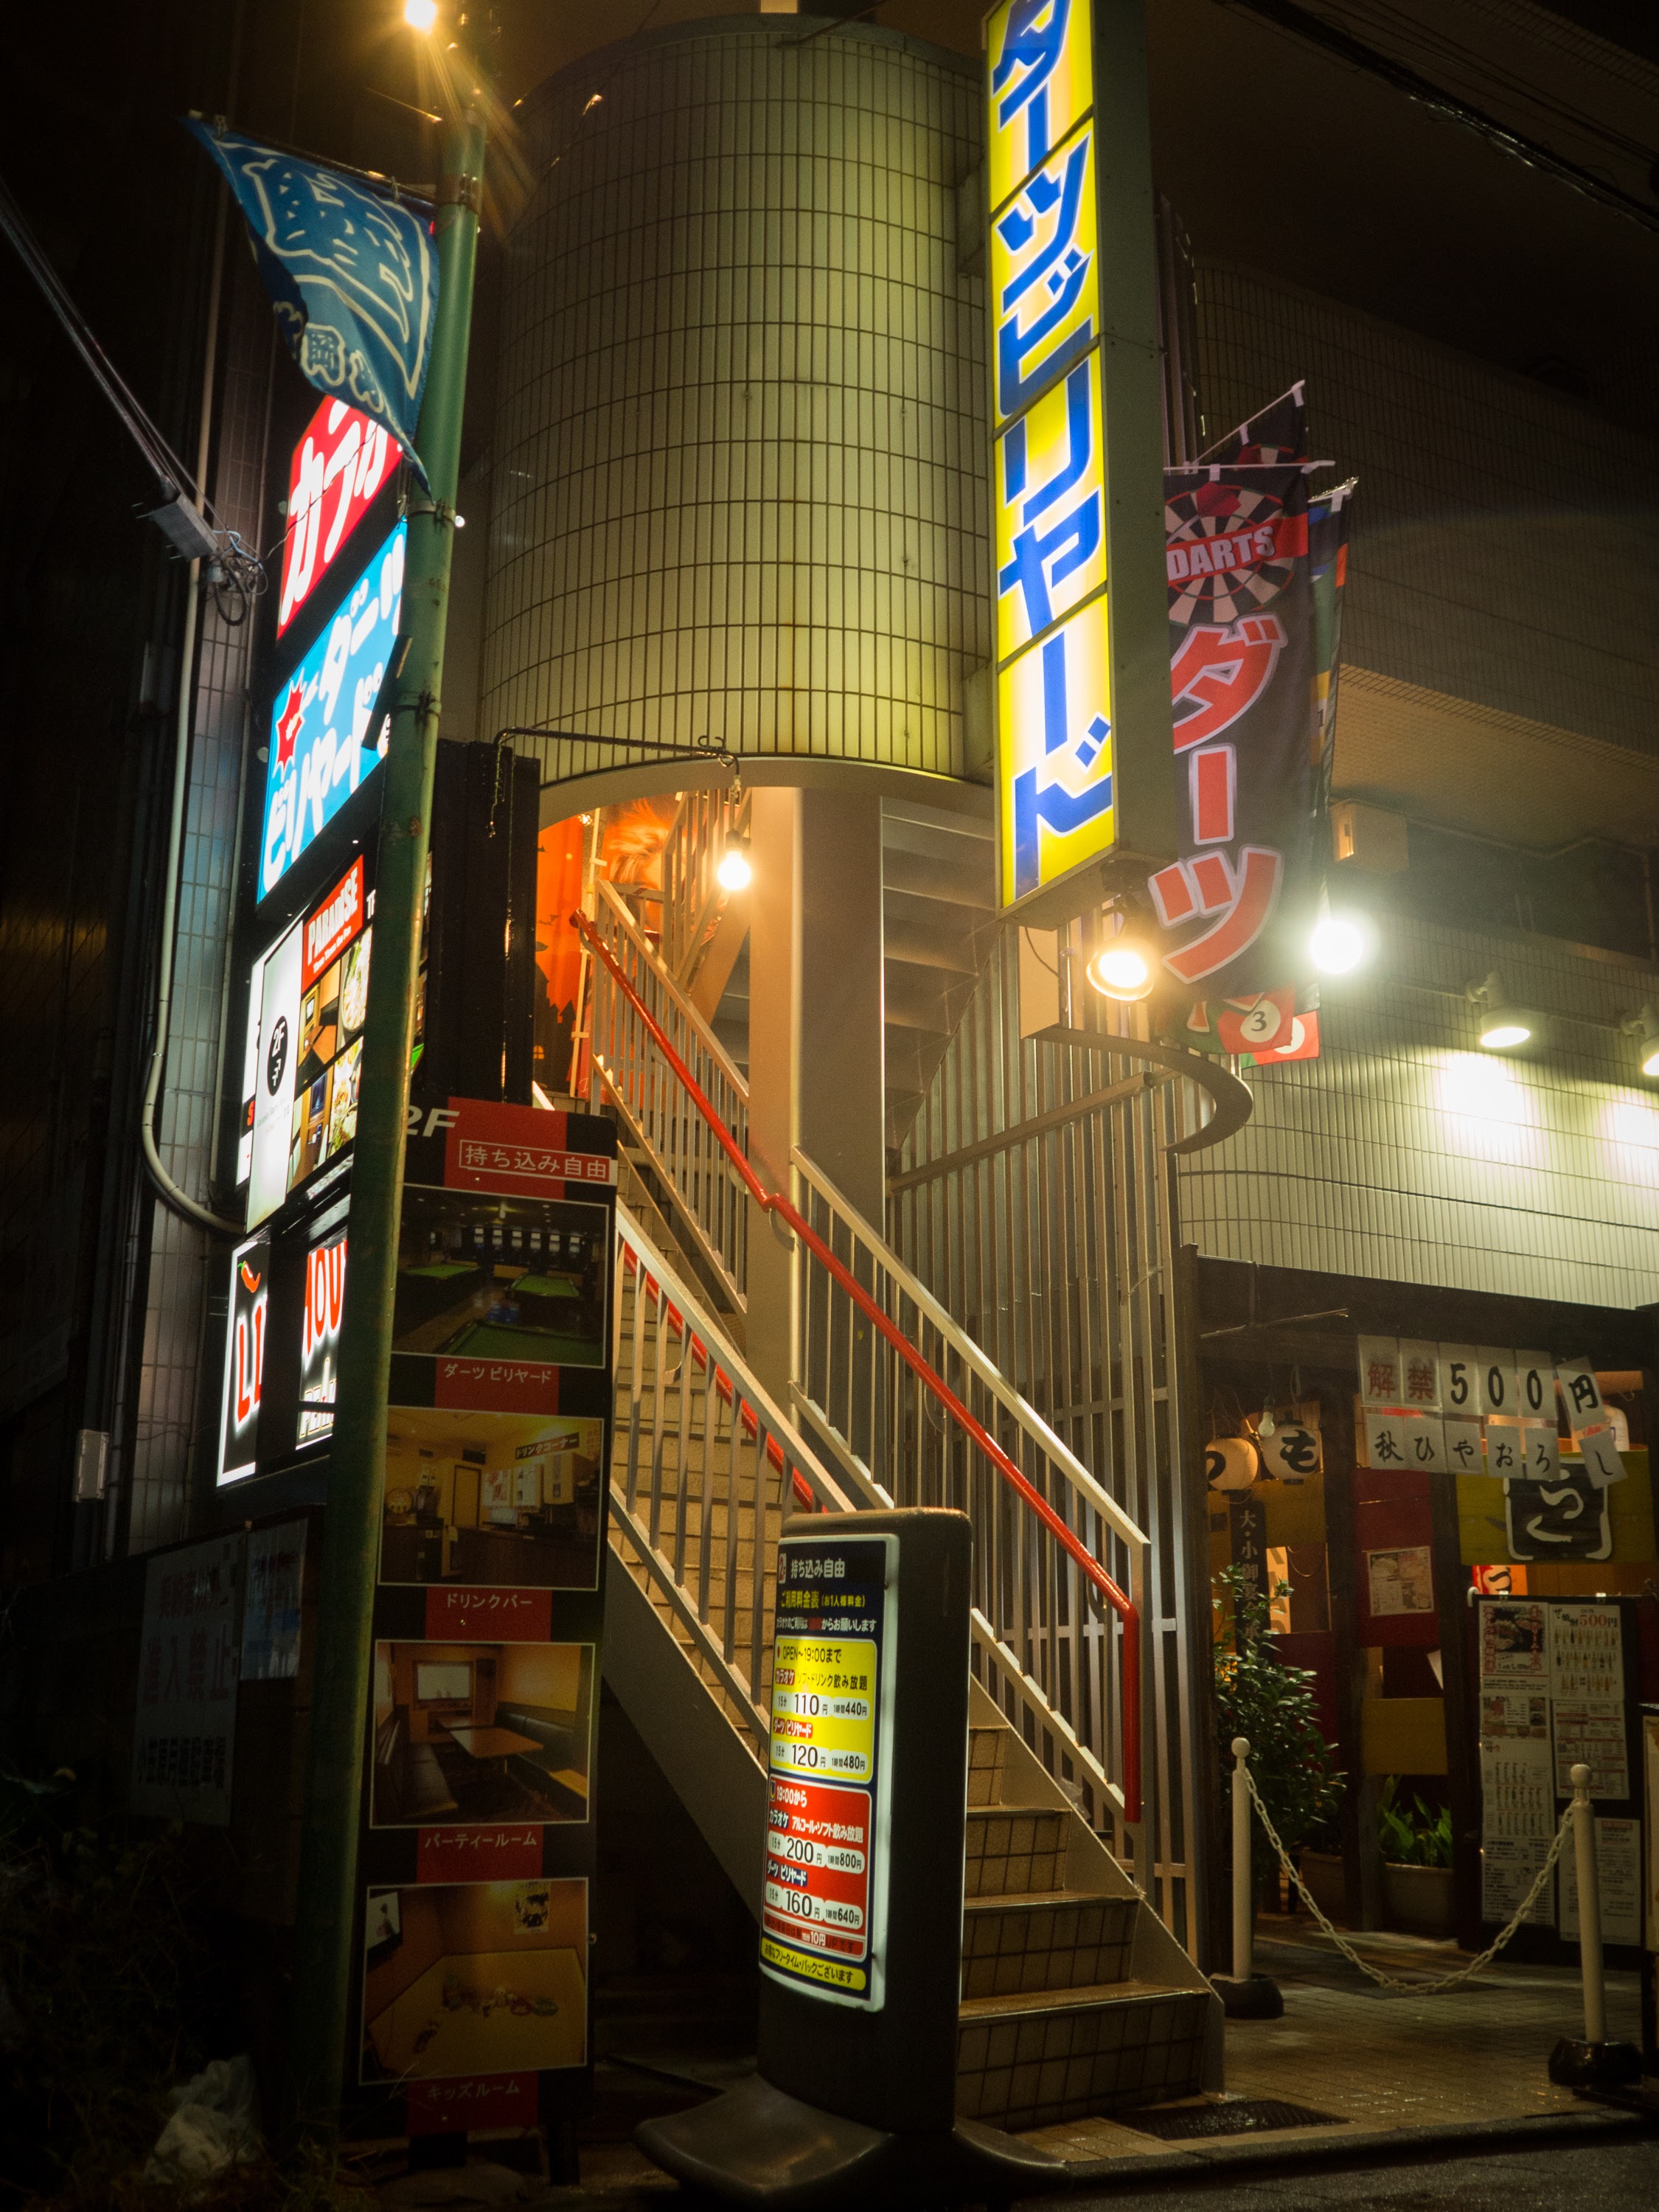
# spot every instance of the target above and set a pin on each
(324, 1979)
(1243, 1903)
(1589, 1908)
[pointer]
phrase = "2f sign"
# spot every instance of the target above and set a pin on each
(440, 1117)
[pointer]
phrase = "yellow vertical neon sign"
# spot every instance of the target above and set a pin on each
(1055, 778)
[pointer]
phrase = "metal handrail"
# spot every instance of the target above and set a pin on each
(652, 1472)
(933, 1383)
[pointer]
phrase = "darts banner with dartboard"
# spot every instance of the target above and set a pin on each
(1254, 570)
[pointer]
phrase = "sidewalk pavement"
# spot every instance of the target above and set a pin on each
(1467, 2064)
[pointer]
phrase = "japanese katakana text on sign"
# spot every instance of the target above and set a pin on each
(1055, 763)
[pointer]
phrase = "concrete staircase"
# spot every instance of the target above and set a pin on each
(1076, 1999)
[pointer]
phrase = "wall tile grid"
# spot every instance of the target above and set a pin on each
(1504, 541)
(1405, 1152)
(739, 450)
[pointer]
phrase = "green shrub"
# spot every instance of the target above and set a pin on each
(1420, 1837)
(1258, 1696)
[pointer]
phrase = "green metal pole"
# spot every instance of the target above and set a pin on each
(324, 1975)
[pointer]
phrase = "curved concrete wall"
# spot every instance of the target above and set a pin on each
(740, 442)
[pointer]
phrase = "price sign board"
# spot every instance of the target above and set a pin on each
(825, 1906)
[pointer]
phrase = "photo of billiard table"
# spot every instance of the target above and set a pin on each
(494, 1277)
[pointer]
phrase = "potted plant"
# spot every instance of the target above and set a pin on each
(1416, 1864)
(1259, 1696)
(1319, 1863)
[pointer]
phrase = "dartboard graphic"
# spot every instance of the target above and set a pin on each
(1243, 580)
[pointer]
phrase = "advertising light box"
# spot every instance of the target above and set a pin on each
(338, 469)
(320, 746)
(308, 1001)
(245, 1356)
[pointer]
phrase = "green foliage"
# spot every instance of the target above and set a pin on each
(1420, 1837)
(1258, 1696)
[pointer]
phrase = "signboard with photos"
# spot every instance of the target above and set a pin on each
(477, 1851)
(1492, 1417)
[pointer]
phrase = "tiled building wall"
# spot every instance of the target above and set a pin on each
(1506, 540)
(739, 482)
(1407, 1153)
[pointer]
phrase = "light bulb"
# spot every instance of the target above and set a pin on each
(1338, 944)
(420, 14)
(1502, 1033)
(1651, 1065)
(1122, 970)
(734, 872)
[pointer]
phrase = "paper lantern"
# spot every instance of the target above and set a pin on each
(1230, 1462)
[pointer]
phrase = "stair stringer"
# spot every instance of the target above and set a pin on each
(1090, 1869)
(704, 1759)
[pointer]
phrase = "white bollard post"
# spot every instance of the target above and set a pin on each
(1589, 1908)
(1244, 1994)
(1244, 1896)
(1595, 2063)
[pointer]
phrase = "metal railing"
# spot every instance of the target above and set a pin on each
(933, 1420)
(703, 1468)
(1043, 1529)
(657, 1113)
(692, 897)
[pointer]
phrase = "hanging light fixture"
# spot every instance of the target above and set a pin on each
(734, 872)
(1643, 1026)
(1504, 1025)
(1124, 966)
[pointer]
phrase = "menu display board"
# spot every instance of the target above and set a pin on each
(823, 1914)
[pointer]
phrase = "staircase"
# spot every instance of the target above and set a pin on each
(1076, 1998)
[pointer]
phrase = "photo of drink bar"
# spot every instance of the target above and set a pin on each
(481, 1732)
(505, 1500)
(475, 1977)
(501, 1278)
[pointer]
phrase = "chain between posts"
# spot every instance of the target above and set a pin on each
(1387, 1982)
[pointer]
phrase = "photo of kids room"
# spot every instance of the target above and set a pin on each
(475, 1977)
(481, 1732)
(508, 1500)
(501, 1278)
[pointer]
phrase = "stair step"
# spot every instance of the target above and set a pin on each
(1031, 2060)
(987, 1750)
(1014, 1849)
(1044, 1943)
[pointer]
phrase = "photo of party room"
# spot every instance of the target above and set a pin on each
(475, 1977)
(481, 1732)
(507, 1500)
(501, 1278)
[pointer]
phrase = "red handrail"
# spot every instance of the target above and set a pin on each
(772, 1202)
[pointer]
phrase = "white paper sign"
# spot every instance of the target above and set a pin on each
(1515, 1712)
(1618, 1876)
(1379, 1370)
(1581, 1390)
(1495, 1377)
(1535, 1383)
(1599, 1450)
(1591, 1731)
(1508, 1870)
(1541, 1450)
(1424, 1440)
(1506, 1446)
(185, 1727)
(1517, 1790)
(1463, 1444)
(1587, 1650)
(1385, 1439)
(1400, 1581)
(1515, 1643)
(1460, 1378)
(1419, 1375)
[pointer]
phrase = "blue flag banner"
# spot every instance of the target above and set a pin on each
(353, 277)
